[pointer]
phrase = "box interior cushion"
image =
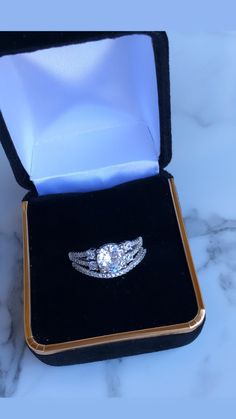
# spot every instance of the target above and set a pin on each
(83, 117)
(67, 305)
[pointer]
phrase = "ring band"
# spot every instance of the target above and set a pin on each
(110, 260)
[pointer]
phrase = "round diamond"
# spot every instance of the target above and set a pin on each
(110, 258)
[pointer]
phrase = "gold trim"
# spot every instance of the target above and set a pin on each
(117, 337)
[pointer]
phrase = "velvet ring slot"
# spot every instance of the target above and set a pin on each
(85, 122)
(180, 318)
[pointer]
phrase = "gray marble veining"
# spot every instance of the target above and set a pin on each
(203, 92)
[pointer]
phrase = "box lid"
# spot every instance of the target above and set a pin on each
(12, 43)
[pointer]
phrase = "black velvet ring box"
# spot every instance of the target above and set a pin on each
(85, 123)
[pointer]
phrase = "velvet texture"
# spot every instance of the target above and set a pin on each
(15, 42)
(76, 102)
(119, 349)
(67, 305)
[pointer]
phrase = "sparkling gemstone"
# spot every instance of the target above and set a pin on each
(91, 253)
(110, 258)
(129, 257)
(93, 265)
(126, 246)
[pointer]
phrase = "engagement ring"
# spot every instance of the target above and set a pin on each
(110, 260)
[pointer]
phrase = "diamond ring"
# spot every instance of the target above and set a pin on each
(110, 260)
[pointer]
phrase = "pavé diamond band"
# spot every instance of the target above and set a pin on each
(110, 260)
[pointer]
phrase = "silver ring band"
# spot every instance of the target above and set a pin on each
(110, 260)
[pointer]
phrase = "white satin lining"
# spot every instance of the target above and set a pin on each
(83, 117)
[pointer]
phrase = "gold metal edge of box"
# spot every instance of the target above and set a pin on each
(49, 349)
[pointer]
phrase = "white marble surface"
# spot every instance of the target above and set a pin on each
(203, 87)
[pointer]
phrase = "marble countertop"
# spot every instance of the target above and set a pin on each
(203, 92)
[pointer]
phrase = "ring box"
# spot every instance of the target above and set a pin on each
(85, 123)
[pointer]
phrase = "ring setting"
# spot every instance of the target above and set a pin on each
(109, 260)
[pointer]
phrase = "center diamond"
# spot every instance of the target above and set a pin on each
(110, 258)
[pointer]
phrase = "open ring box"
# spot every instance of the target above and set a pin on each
(85, 123)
